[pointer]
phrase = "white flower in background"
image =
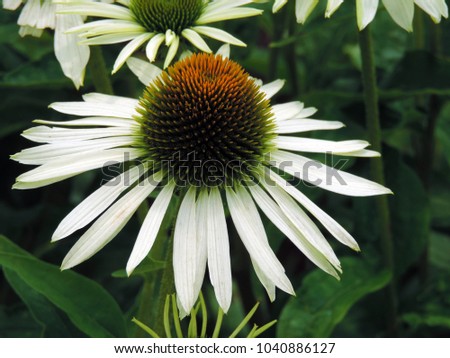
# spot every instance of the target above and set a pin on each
(402, 11)
(205, 131)
(154, 22)
(37, 15)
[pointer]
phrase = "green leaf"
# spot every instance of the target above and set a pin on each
(147, 266)
(410, 212)
(430, 320)
(440, 251)
(420, 70)
(51, 320)
(322, 301)
(90, 308)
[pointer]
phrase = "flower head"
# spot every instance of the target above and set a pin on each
(401, 11)
(154, 22)
(37, 15)
(206, 132)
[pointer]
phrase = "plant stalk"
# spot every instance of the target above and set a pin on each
(377, 170)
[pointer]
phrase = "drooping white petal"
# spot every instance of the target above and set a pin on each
(224, 51)
(62, 168)
(218, 34)
(185, 251)
(303, 223)
(96, 203)
(228, 14)
(286, 111)
(306, 125)
(109, 224)
(96, 9)
(282, 222)
(402, 11)
(151, 50)
(365, 12)
(44, 153)
(106, 99)
(201, 215)
(173, 48)
(129, 49)
(44, 134)
(195, 39)
(251, 231)
(219, 250)
(326, 177)
(91, 122)
(278, 4)
(47, 18)
(30, 13)
(326, 220)
(11, 4)
(332, 6)
(265, 281)
(72, 56)
(144, 71)
(94, 109)
(303, 9)
(150, 227)
(272, 88)
(318, 145)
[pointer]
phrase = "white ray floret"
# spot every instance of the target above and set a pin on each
(111, 130)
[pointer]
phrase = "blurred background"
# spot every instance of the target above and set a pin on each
(321, 62)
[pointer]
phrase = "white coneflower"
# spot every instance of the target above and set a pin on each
(37, 15)
(206, 131)
(402, 11)
(154, 22)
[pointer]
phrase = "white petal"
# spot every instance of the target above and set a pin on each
(327, 221)
(318, 145)
(30, 13)
(266, 282)
(272, 88)
(278, 4)
(92, 122)
(219, 250)
(108, 225)
(153, 45)
(286, 111)
(251, 231)
(94, 109)
(224, 51)
(220, 15)
(150, 227)
(11, 4)
(303, 9)
(306, 125)
(303, 223)
(43, 134)
(44, 153)
(96, 203)
(201, 212)
(129, 49)
(172, 51)
(365, 12)
(332, 6)
(106, 99)
(97, 10)
(194, 38)
(144, 71)
(185, 251)
(282, 222)
(402, 11)
(219, 35)
(326, 177)
(71, 165)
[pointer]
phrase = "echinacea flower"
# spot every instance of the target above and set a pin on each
(401, 11)
(154, 22)
(37, 15)
(206, 132)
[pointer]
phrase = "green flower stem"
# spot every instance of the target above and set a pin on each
(158, 285)
(377, 170)
(99, 73)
